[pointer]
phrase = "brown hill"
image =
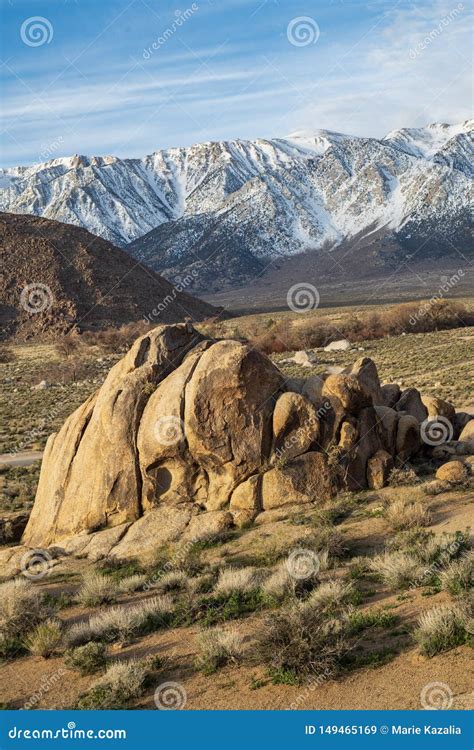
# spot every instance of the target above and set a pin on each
(55, 277)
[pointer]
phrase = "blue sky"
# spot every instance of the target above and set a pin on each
(128, 77)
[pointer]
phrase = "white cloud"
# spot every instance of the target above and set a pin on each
(414, 68)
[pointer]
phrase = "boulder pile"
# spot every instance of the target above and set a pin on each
(189, 436)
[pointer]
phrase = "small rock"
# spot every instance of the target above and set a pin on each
(467, 431)
(461, 419)
(338, 346)
(334, 370)
(453, 471)
(40, 386)
(438, 407)
(378, 469)
(305, 358)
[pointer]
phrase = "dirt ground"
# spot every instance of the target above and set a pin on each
(396, 684)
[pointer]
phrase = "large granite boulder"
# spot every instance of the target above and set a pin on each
(188, 436)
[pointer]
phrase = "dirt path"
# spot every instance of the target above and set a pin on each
(22, 458)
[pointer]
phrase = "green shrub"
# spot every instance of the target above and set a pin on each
(358, 620)
(87, 659)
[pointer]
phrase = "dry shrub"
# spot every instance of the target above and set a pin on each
(240, 580)
(7, 354)
(44, 639)
(174, 580)
(21, 607)
(459, 575)
(402, 477)
(398, 570)
(95, 589)
(122, 682)
(441, 628)
(280, 584)
(113, 340)
(218, 647)
(422, 317)
(403, 514)
(300, 641)
(131, 583)
(87, 659)
(330, 595)
(119, 623)
(68, 345)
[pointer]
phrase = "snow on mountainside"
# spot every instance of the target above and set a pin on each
(226, 208)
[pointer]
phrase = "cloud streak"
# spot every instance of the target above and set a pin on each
(231, 72)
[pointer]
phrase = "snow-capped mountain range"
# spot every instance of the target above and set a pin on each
(226, 208)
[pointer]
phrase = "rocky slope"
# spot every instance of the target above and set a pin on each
(56, 277)
(225, 209)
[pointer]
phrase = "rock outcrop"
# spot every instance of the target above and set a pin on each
(188, 436)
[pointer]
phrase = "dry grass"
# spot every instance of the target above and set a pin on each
(175, 580)
(44, 639)
(330, 595)
(21, 607)
(458, 577)
(404, 514)
(398, 570)
(441, 628)
(120, 623)
(131, 583)
(240, 580)
(96, 589)
(280, 584)
(122, 682)
(218, 647)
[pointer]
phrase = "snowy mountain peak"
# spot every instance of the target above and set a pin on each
(250, 200)
(430, 140)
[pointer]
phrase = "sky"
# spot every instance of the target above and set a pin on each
(129, 77)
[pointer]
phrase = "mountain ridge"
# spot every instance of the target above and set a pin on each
(57, 278)
(226, 208)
